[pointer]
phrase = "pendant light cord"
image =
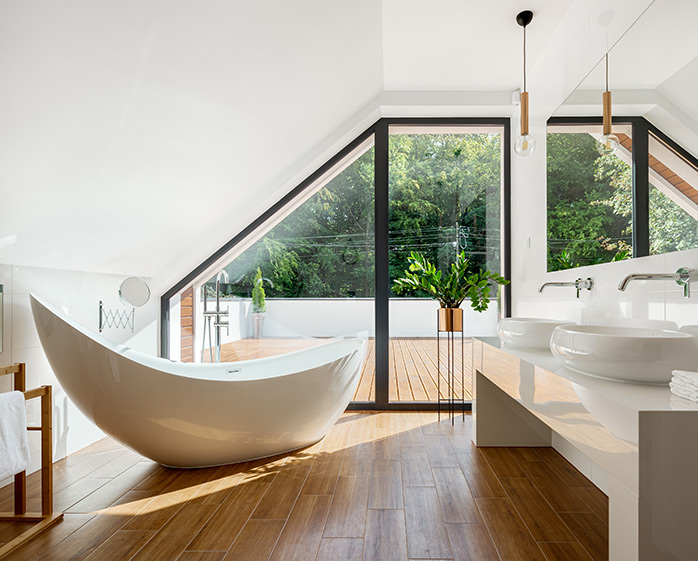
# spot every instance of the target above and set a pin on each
(606, 71)
(524, 59)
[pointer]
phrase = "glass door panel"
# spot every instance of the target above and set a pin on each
(445, 197)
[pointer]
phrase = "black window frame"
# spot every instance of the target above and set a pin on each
(380, 133)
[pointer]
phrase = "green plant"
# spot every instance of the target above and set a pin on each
(449, 289)
(621, 255)
(564, 260)
(258, 297)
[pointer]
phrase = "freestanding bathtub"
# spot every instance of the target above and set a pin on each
(195, 415)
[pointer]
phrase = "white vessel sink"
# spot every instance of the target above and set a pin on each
(632, 354)
(527, 333)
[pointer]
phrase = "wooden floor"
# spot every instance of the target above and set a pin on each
(380, 487)
(413, 365)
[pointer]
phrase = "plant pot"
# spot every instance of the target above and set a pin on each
(450, 319)
(257, 324)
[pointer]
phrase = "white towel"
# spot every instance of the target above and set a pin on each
(680, 404)
(688, 378)
(14, 445)
(681, 391)
(683, 383)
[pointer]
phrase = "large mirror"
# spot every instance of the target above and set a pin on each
(2, 319)
(643, 198)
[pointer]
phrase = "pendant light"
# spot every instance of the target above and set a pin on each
(609, 142)
(525, 144)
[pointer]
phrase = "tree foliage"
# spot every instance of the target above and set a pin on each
(444, 198)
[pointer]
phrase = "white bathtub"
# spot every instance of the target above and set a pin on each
(195, 415)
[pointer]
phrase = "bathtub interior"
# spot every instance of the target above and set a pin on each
(257, 369)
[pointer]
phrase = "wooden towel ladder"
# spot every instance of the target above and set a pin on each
(46, 518)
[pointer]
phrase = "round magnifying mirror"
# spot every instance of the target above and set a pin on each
(134, 292)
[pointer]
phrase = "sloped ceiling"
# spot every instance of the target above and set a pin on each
(129, 128)
(653, 71)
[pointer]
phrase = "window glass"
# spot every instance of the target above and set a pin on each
(445, 188)
(673, 200)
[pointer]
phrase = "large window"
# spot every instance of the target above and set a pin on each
(326, 256)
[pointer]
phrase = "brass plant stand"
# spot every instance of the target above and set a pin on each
(450, 321)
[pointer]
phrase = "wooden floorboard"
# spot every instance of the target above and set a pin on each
(381, 486)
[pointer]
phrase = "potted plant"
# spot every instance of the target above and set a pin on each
(259, 305)
(449, 289)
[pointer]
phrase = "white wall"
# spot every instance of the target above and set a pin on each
(576, 47)
(78, 294)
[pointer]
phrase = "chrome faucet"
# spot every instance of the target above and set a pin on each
(683, 277)
(587, 283)
(217, 314)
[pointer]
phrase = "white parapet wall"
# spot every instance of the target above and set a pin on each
(336, 317)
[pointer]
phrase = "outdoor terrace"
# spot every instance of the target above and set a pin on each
(413, 364)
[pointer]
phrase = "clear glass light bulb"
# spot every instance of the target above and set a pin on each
(525, 145)
(607, 144)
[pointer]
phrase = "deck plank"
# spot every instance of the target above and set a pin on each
(412, 364)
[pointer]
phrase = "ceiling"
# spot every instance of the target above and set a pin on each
(135, 135)
(653, 71)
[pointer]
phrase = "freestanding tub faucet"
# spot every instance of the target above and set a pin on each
(682, 276)
(216, 314)
(587, 283)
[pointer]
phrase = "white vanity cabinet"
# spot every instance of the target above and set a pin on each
(636, 442)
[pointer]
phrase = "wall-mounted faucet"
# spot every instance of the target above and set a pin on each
(683, 277)
(587, 283)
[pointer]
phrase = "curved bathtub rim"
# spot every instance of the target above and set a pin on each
(169, 366)
(229, 427)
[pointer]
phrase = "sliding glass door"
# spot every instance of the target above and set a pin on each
(445, 198)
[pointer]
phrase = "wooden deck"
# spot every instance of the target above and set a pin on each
(413, 365)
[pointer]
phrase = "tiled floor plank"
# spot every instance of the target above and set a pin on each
(221, 530)
(509, 532)
(427, 536)
(591, 531)
(385, 536)
(416, 469)
(564, 552)
(481, 479)
(553, 488)
(457, 502)
(256, 541)
(341, 549)
(471, 542)
(301, 537)
(121, 545)
(385, 489)
(172, 539)
(543, 522)
(347, 517)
